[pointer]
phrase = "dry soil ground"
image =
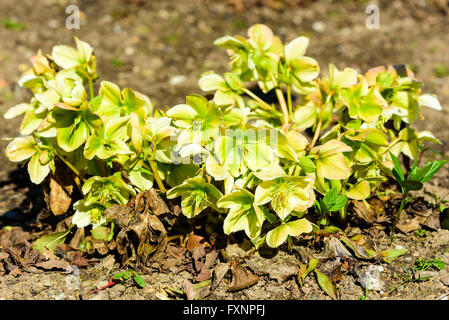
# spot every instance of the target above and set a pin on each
(161, 47)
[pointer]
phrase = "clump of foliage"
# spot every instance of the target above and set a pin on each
(274, 170)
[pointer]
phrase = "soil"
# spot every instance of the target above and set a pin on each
(160, 48)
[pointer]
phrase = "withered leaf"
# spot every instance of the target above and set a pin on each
(408, 225)
(332, 269)
(4, 255)
(60, 197)
(78, 260)
(241, 277)
(53, 264)
(150, 199)
(100, 246)
(176, 251)
(58, 189)
(195, 241)
(189, 290)
(219, 273)
(143, 239)
(364, 212)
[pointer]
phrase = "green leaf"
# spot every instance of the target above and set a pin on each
(392, 254)
(310, 267)
(307, 164)
(334, 201)
(233, 81)
(326, 285)
(196, 195)
(36, 170)
(72, 137)
(397, 170)
(21, 149)
(359, 250)
(360, 191)
(430, 169)
(117, 276)
(411, 185)
(140, 281)
(50, 241)
(211, 82)
(102, 233)
(278, 235)
(141, 178)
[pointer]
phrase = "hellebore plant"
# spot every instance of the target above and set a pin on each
(275, 170)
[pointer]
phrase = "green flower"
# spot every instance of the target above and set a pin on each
(243, 213)
(279, 235)
(196, 195)
(286, 194)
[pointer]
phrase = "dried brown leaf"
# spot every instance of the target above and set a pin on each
(53, 264)
(241, 277)
(363, 211)
(194, 241)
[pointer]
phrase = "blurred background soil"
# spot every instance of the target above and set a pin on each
(161, 48)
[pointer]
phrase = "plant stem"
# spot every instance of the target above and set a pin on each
(78, 179)
(289, 100)
(317, 134)
(398, 214)
(101, 167)
(344, 210)
(283, 105)
(156, 176)
(248, 180)
(91, 88)
(390, 146)
(252, 95)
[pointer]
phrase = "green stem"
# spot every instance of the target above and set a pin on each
(248, 180)
(68, 164)
(78, 179)
(156, 176)
(390, 146)
(398, 214)
(91, 88)
(344, 210)
(101, 167)
(283, 104)
(289, 100)
(317, 134)
(263, 103)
